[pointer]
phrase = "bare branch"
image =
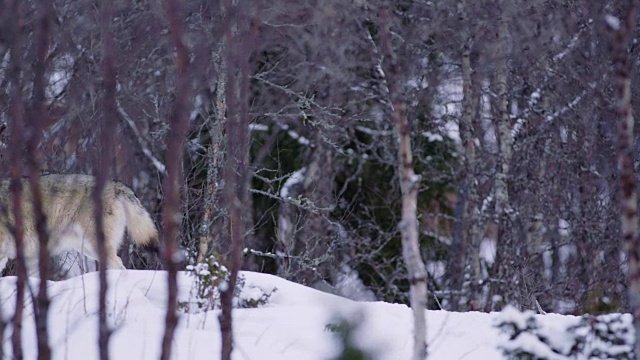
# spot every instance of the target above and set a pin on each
(145, 148)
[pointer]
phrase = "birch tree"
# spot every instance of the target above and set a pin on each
(409, 184)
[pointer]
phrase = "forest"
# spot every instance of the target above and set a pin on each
(453, 155)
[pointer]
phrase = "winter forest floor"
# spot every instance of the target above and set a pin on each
(296, 322)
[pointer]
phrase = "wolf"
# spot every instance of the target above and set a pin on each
(67, 202)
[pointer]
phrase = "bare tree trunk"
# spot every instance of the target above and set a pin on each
(473, 224)
(214, 152)
(629, 197)
(409, 184)
(230, 179)
(537, 281)
(503, 125)
(104, 156)
(214, 159)
(235, 173)
(504, 247)
(459, 246)
(37, 117)
(16, 123)
(171, 207)
(305, 231)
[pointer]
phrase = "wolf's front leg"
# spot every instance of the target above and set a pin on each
(33, 267)
(114, 262)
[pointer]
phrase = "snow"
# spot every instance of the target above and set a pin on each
(295, 178)
(295, 323)
(612, 21)
(295, 135)
(432, 137)
(62, 72)
(563, 227)
(258, 127)
(436, 269)
(488, 250)
(349, 285)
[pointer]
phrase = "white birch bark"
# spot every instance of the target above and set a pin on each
(409, 184)
(503, 126)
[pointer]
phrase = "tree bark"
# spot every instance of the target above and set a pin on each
(104, 156)
(37, 117)
(626, 160)
(235, 173)
(409, 184)
(226, 295)
(16, 124)
(503, 125)
(504, 248)
(214, 160)
(472, 224)
(171, 208)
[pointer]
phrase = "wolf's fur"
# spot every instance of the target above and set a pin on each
(67, 202)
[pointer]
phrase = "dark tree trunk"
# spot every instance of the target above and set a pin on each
(626, 160)
(470, 226)
(37, 117)
(506, 249)
(171, 187)
(230, 178)
(235, 172)
(107, 127)
(16, 125)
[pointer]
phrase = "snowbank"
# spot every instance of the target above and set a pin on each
(296, 323)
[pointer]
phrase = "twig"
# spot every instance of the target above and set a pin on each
(145, 149)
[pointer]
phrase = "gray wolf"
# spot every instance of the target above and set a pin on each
(67, 202)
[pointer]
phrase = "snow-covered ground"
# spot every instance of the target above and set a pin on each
(297, 322)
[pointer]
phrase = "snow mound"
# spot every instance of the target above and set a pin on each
(296, 323)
